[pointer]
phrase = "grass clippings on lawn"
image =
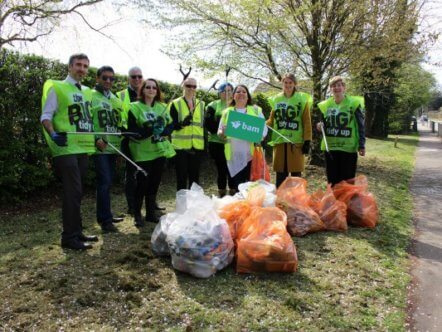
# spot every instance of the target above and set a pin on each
(346, 281)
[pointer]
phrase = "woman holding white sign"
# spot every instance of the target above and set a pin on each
(290, 117)
(239, 152)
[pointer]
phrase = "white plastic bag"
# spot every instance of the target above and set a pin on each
(200, 243)
(158, 239)
(270, 188)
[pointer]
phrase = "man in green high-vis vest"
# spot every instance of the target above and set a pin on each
(106, 112)
(65, 108)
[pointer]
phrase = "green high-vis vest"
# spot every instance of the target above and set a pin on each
(288, 114)
(341, 128)
(72, 115)
(106, 114)
(153, 147)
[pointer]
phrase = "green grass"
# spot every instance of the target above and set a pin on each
(346, 281)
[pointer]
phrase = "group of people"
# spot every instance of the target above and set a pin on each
(136, 123)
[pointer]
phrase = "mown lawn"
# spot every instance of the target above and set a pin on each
(346, 281)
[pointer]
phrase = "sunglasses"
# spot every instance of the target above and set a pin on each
(190, 86)
(108, 78)
(150, 87)
(136, 76)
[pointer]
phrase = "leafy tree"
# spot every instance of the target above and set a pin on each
(28, 20)
(316, 39)
(415, 88)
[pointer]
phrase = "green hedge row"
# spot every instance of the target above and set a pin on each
(25, 165)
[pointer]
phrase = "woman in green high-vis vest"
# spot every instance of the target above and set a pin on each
(149, 117)
(239, 152)
(216, 145)
(290, 116)
(343, 121)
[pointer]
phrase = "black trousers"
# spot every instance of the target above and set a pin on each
(241, 177)
(216, 151)
(148, 185)
(187, 165)
(340, 166)
(130, 180)
(71, 170)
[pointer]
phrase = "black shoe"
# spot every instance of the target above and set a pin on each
(109, 228)
(117, 220)
(157, 207)
(139, 223)
(87, 238)
(75, 244)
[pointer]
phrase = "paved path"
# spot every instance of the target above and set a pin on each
(426, 187)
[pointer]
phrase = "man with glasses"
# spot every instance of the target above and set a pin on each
(130, 95)
(65, 108)
(187, 114)
(106, 113)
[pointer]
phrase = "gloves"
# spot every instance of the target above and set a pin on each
(158, 126)
(157, 129)
(187, 120)
(59, 138)
(306, 147)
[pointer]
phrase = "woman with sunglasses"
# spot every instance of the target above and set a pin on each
(149, 117)
(239, 152)
(187, 114)
(216, 145)
(290, 116)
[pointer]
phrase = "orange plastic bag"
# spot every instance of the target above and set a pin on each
(235, 213)
(332, 212)
(259, 168)
(301, 219)
(362, 209)
(263, 243)
(292, 191)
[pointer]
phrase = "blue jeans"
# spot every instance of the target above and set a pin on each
(105, 170)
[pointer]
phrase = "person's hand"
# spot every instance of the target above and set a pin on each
(361, 152)
(101, 144)
(187, 121)
(319, 125)
(306, 147)
(59, 138)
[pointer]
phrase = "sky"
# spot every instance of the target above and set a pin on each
(137, 44)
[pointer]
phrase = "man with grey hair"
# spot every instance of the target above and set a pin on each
(129, 95)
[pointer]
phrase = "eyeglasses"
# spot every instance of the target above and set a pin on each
(136, 76)
(108, 78)
(150, 87)
(190, 86)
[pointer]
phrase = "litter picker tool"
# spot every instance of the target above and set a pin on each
(139, 169)
(324, 137)
(279, 134)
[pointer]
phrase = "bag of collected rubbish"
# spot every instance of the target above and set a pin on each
(200, 243)
(332, 212)
(293, 191)
(263, 243)
(234, 214)
(158, 238)
(362, 209)
(259, 168)
(270, 189)
(301, 219)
